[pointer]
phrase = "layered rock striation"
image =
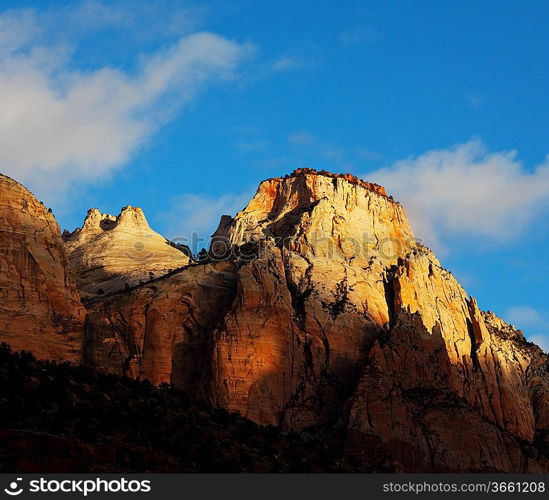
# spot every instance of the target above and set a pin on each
(110, 253)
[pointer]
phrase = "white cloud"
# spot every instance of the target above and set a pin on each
(60, 125)
(540, 340)
(466, 190)
(193, 218)
(523, 315)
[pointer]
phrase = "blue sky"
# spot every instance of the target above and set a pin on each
(183, 107)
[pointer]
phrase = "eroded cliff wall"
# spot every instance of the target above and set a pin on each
(40, 309)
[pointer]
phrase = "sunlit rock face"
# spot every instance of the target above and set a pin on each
(448, 387)
(40, 310)
(110, 253)
(317, 311)
(310, 306)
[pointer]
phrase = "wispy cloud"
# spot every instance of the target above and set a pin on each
(368, 155)
(289, 63)
(251, 145)
(162, 18)
(317, 151)
(541, 340)
(304, 55)
(357, 34)
(192, 218)
(467, 190)
(334, 154)
(533, 322)
(523, 315)
(60, 124)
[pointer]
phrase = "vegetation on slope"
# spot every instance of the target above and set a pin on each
(62, 418)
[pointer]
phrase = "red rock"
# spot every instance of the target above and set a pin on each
(40, 310)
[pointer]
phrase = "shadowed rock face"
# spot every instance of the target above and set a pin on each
(83, 421)
(40, 309)
(109, 253)
(319, 312)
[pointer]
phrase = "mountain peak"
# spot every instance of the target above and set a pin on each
(317, 213)
(97, 222)
(110, 253)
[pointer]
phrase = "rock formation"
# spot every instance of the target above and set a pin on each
(340, 325)
(109, 253)
(317, 311)
(449, 388)
(39, 306)
(162, 330)
(309, 307)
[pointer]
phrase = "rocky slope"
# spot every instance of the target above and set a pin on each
(39, 306)
(109, 253)
(317, 311)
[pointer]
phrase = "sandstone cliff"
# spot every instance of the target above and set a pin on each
(163, 330)
(109, 253)
(312, 303)
(39, 305)
(449, 388)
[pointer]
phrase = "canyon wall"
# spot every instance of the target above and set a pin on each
(40, 309)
